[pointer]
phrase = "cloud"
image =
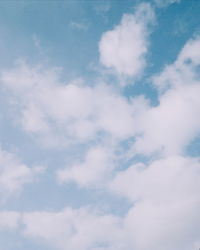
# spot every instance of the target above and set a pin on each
(184, 71)
(164, 212)
(162, 189)
(9, 220)
(173, 175)
(68, 113)
(164, 215)
(73, 229)
(79, 26)
(165, 3)
(166, 201)
(95, 170)
(62, 113)
(124, 48)
(171, 125)
(14, 174)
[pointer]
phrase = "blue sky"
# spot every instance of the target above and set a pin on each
(99, 125)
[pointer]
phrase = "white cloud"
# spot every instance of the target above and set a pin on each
(67, 113)
(166, 202)
(61, 114)
(163, 194)
(79, 229)
(164, 215)
(9, 220)
(14, 174)
(163, 180)
(184, 71)
(124, 48)
(94, 170)
(174, 122)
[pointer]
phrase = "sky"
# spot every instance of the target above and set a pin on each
(100, 125)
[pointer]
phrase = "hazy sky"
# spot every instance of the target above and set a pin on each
(100, 125)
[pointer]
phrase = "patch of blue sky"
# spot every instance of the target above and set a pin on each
(51, 22)
(174, 26)
(193, 149)
(169, 36)
(49, 196)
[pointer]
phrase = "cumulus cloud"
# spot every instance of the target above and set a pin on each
(184, 71)
(174, 173)
(73, 229)
(84, 228)
(166, 201)
(75, 113)
(174, 122)
(14, 174)
(169, 127)
(164, 214)
(9, 220)
(94, 170)
(161, 188)
(164, 194)
(124, 48)
(70, 112)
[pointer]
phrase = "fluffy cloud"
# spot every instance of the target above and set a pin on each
(124, 48)
(184, 71)
(74, 113)
(73, 229)
(163, 180)
(71, 112)
(14, 174)
(162, 191)
(164, 215)
(9, 220)
(174, 122)
(95, 169)
(166, 202)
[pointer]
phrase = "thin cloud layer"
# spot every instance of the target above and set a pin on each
(165, 3)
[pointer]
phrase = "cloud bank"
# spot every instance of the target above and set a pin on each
(131, 149)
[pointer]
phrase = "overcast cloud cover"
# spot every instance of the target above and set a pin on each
(100, 125)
